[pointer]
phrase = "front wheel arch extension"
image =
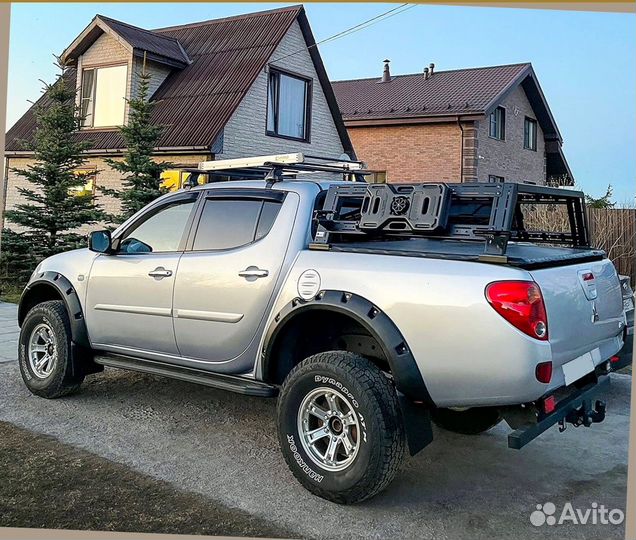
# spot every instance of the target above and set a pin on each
(55, 286)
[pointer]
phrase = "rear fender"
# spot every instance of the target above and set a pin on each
(406, 374)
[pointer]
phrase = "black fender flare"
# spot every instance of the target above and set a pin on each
(406, 374)
(64, 288)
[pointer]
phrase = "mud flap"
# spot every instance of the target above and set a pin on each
(417, 424)
(83, 363)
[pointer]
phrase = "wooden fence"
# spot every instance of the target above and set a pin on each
(611, 229)
(614, 231)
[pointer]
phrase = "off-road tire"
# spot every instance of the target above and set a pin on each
(381, 437)
(471, 421)
(60, 381)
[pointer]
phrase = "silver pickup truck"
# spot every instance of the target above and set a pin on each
(369, 310)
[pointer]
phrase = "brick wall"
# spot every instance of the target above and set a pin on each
(411, 153)
(158, 74)
(106, 177)
(509, 158)
(244, 134)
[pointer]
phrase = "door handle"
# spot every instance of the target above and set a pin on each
(160, 272)
(253, 272)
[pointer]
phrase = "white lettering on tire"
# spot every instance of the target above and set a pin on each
(23, 361)
(330, 380)
(301, 462)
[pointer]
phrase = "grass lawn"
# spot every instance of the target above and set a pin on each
(11, 297)
(46, 483)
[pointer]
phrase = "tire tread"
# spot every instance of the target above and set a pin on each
(391, 438)
(66, 384)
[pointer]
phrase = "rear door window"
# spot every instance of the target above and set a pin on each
(230, 223)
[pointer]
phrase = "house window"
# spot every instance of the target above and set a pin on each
(497, 128)
(493, 179)
(103, 96)
(376, 177)
(530, 134)
(288, 105)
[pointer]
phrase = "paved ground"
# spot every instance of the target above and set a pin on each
(8, 332)
(223, 447)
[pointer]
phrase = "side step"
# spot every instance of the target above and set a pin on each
(222, 381)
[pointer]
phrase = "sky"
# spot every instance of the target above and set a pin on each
(585, 62)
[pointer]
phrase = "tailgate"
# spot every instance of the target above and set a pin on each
(585, 315)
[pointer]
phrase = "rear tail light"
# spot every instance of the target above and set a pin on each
(521, 304)
(543, 372)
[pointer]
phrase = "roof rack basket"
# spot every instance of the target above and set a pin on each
(276, 168)
(477, 211)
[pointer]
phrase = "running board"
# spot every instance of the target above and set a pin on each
(222, 381)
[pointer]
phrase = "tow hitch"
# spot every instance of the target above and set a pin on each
(585, 415)
(580, 408)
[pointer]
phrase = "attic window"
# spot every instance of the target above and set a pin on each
(497, 125)
(103, 96)
(530, 134)
(288, 105)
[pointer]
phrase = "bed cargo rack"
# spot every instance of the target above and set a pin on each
(276, 168)
(478, 211)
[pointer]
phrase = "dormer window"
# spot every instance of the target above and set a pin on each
(103, 96)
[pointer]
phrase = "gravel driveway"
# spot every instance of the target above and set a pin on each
(224, 447)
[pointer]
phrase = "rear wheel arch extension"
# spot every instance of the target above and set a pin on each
(294, 332)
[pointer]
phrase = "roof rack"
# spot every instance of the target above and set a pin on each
(277, 167)
(477, 211)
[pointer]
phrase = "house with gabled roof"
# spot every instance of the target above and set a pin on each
(489, 124)
(252, 84)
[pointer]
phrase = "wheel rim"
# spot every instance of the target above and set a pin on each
(329, 429)
(42, 350)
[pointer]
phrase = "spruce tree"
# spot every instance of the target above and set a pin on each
(142, 180)
(51, 212)
(602, 202)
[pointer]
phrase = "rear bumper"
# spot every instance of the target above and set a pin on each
(578, 407)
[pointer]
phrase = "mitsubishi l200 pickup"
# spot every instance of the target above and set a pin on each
(368, 310)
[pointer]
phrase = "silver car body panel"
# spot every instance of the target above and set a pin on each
(218, 311)
(467, 353)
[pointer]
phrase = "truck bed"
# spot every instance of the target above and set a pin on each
(521, 255)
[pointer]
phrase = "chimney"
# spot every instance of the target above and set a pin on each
(426, 73)
(431, 67)
(386, 74)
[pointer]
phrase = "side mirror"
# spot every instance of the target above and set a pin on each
(100, 241)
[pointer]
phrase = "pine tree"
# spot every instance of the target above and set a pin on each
(602, 202)
(51, 212)
(142, 183)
